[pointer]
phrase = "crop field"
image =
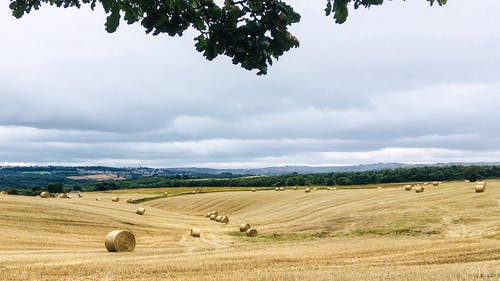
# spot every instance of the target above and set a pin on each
(448, 232)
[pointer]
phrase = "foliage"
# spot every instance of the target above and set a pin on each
(55, 187)
(252, 33)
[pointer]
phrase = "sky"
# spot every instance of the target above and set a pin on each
(403, 82)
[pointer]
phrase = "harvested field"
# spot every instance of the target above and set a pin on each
(449, 232)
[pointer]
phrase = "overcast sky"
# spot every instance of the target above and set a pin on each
(403, 82)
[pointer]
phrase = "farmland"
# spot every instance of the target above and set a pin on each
(445, 233)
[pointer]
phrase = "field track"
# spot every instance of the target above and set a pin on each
(446, 233)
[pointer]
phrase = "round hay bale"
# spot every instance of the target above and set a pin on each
(213, 217)
(97, 199)
(165, 193)
(218, 218)
(115, 199)
(277, 189)
(251, 232)
(419, 189)
(193, 192)
(140, 211)
(307, 190)
(64, 196)
(253, 189)
(120, 241)
(129, 200)
(294, 188)
(224, 219)
(244, 227)
(195, 232)
(208, 214)
(379, 187)
(315, 188)
(435, 183)
(45, 194)
(80, 195)
(480, 188)
(4, 192)
(282, 189)
(407, 187)
(216, 213)
(334, 188)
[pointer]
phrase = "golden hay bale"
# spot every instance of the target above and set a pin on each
(218, 218)
(45, 194)
(224, 219)
(435, 183)
(193, 192)
(129, 200)
(419, 189)
(4, 193)
(165, 193)
(140, 211)
(253, 189)
(213, 217)
(277, 189)
(315, 188)
(216, 213)
(379, 187)
(195, 232)
(64, 196)
(80, 195)
(97, 199)
(208, 214)
(294, 188)
(426, 183)
(251, 232)
(115, 199)
(244, 227)
(334, 188)
(407, 187)
(480, 187)
(282, 189)
(307, 190)
(120, 241)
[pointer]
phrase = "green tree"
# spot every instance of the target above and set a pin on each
(252, 33)
(55, 187)
(473, 173)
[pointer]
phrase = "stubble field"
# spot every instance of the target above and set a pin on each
(445, 233)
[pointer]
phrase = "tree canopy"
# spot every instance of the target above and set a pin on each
(253, 33)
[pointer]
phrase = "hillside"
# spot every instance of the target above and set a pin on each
(446, 233)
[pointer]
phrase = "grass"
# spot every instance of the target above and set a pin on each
(446, 233)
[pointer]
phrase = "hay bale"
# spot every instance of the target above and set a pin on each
(195, 232)
(165, 193)
(480, 187)
(407, 187)
(97, 199)
(80, 195)
(218, 218)
(193, 192)
(315, 188)
(253, 189)
(294, 188)
(63, 196)
(216, 213)
(140, 211)
(213, 217)
(307, 190)
(224, 219)
(129, 200)
(277, 189)
(419, 189)
(379, 187)
(45, 194)
(120, 241)
(208, 214)
(244, 227)
(251, 232)
(435, 183)
(4, 192)
(282, 189)
(115, 199)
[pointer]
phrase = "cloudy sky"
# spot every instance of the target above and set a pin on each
(403, 82)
